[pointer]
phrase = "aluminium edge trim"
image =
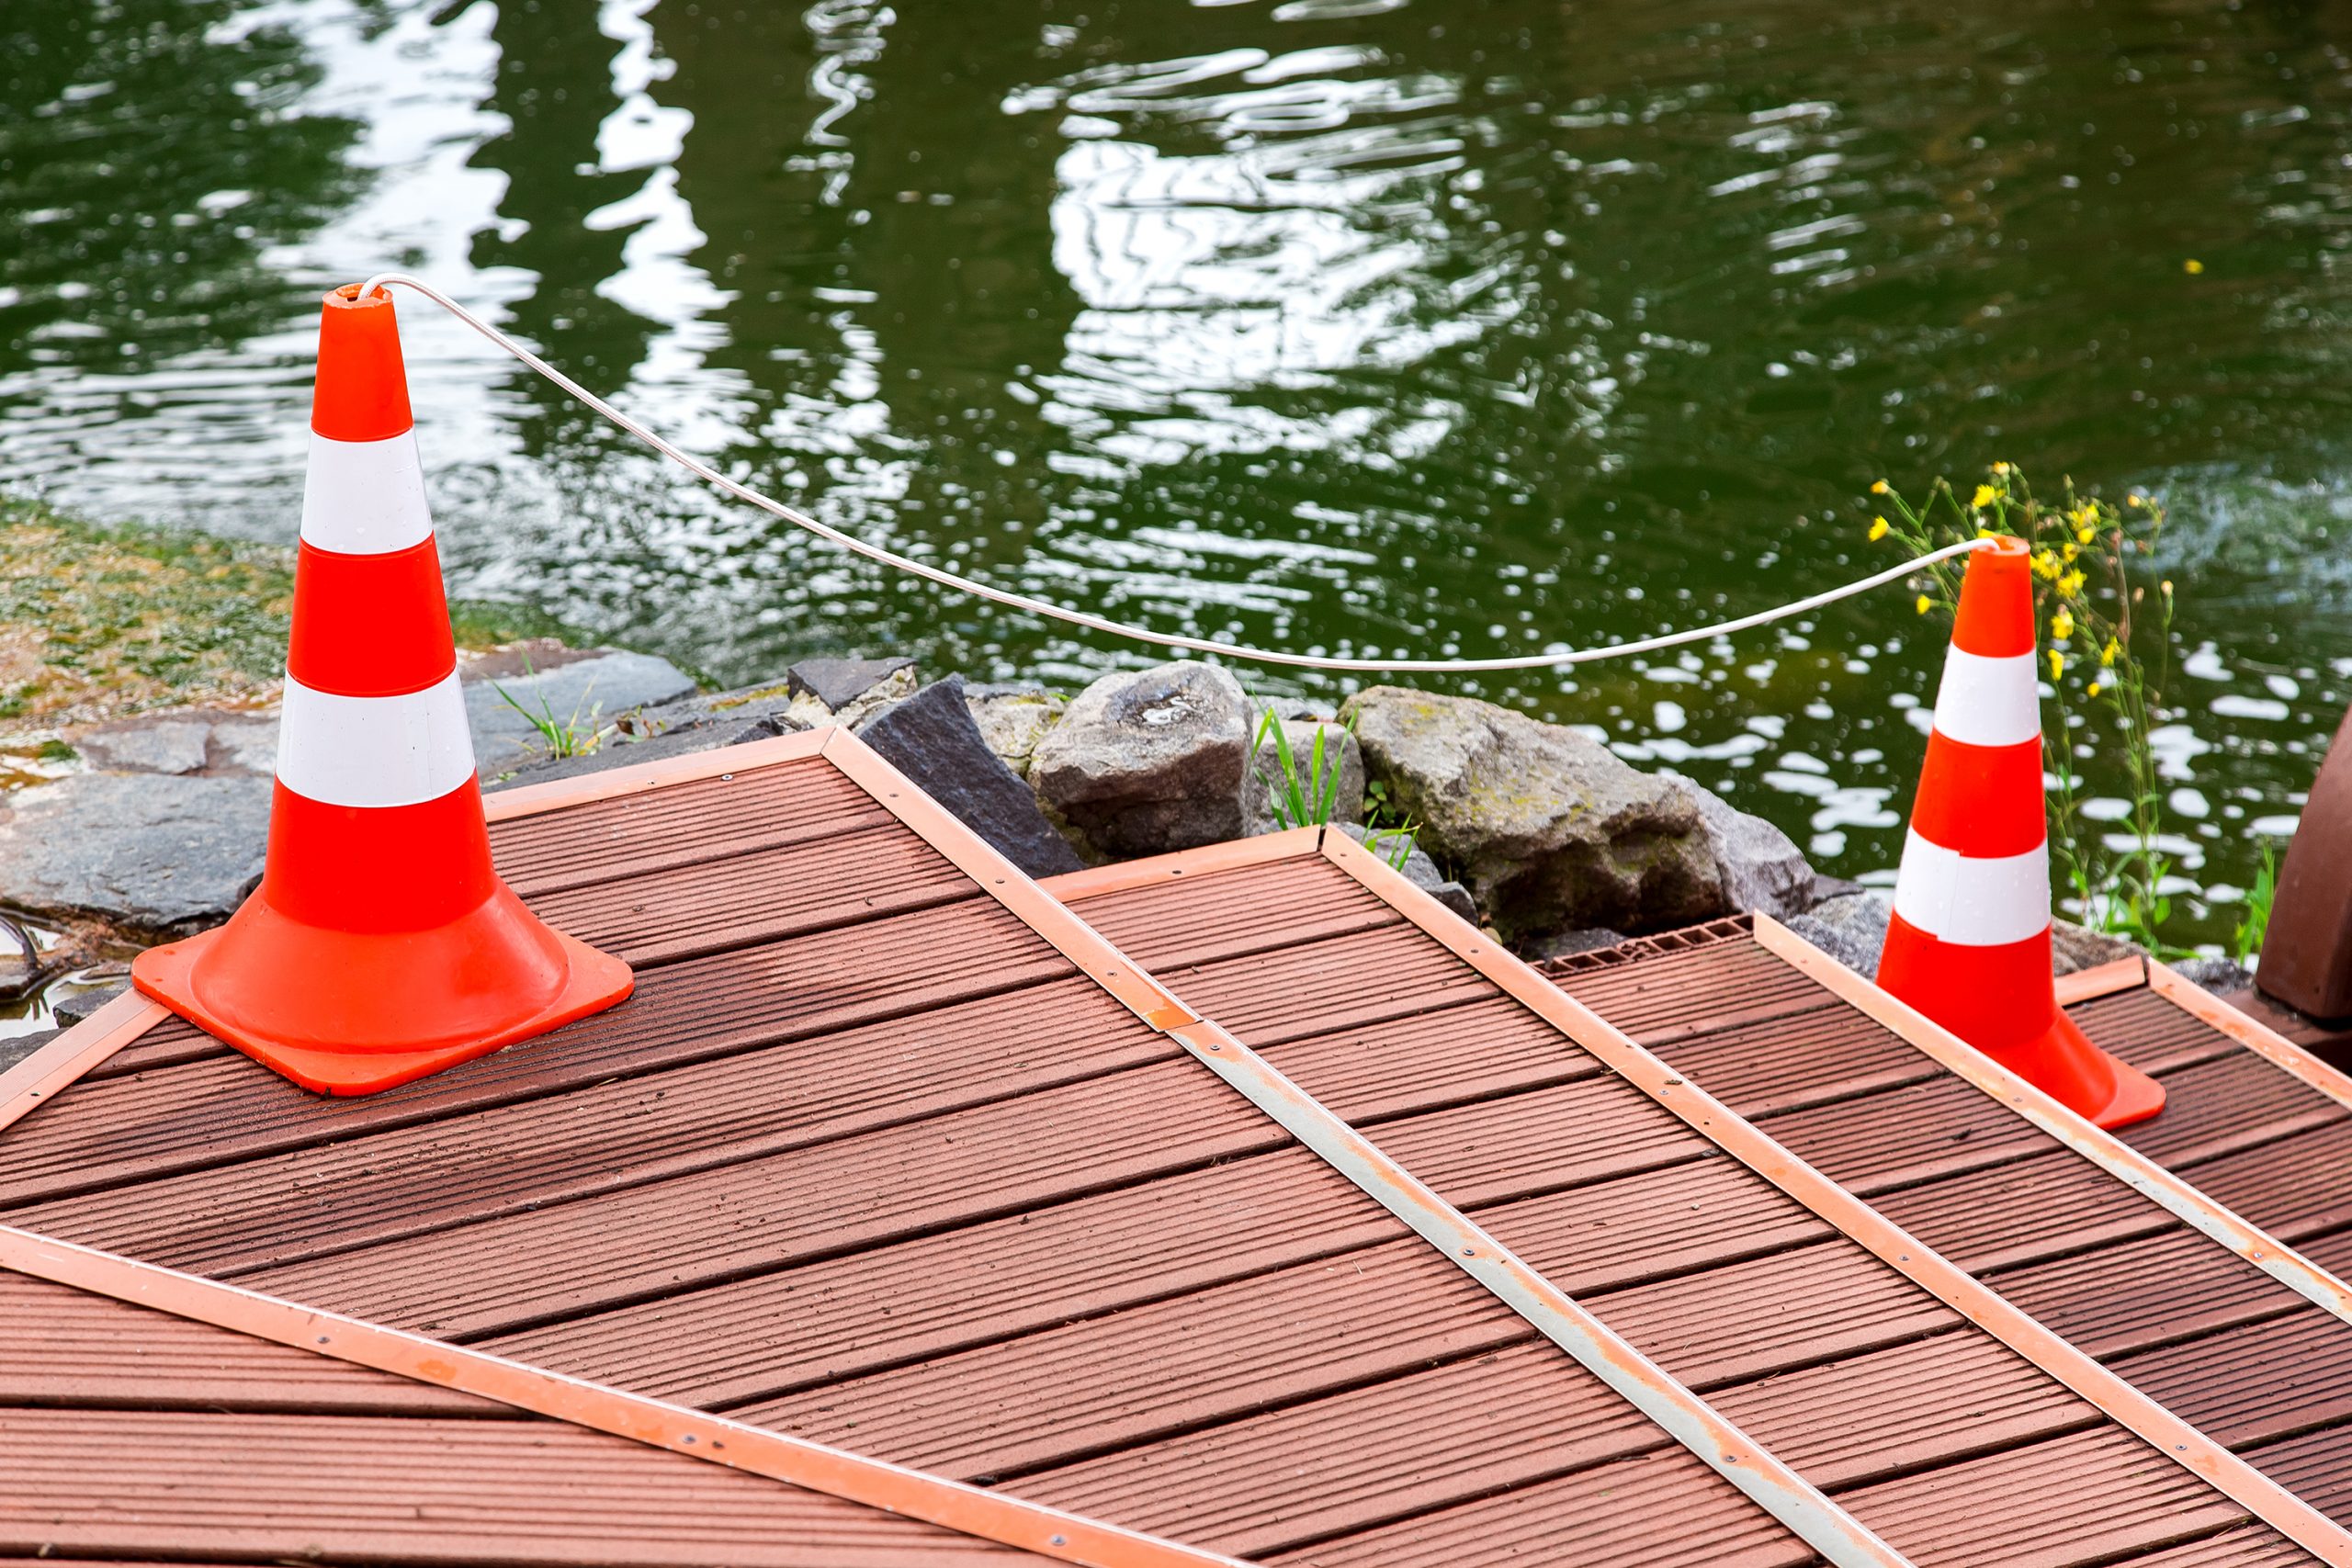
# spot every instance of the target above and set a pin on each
(2264, 1498)
(54, 1067)
(2184, 1200)
(1755, 1470)
(714, 1439)
(2249, 1032)
(2109, 979)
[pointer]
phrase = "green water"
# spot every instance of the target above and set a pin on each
(1358, 325)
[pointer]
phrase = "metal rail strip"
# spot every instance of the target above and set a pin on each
(2102, 1148)
(715, 1439)
(51, 1069)
(1762, 1475)
(2252, 1034)
(2134, 1411)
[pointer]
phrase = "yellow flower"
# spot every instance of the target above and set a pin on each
(2057, 664)
(2084, 534)
(2107, 655)
(1985, 495)
(2093, 690)
(1879, 529)
(2000, 467)
(2193, 266)
(2070, 584)
(2062, 624)
(2136, 500)
(2164, 588)
(2068, 551)
(1879, 487)
(1924, 603)
(2045, 564)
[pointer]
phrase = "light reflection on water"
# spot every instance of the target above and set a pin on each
(1348, 325)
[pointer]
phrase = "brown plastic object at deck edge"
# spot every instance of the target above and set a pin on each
(2307, 953)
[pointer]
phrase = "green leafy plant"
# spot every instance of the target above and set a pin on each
(2111, 628)
(1306, 797)
(2245, 942)
(567, 737)
(1302, 800)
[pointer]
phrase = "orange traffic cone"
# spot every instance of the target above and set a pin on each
(381, 946)
(1969, 943)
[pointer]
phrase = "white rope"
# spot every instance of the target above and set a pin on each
(1120, 628)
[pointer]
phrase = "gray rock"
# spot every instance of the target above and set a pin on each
(158, 854)
(1563, 944)
(676, 741)
(2213, 973)
(2074, 948)
(583, 695)
(1012, 719)
(933, 739)
(73, 1009)
(1148, 761)
(837, 682)
(244, 743)
(1418, 868)
(1263, 786)
(1549, 829)
(174, 744)
(1758, 867)
(1850, 928)
(745, 704)
(15, 1048)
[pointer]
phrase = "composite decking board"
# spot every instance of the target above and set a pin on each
(2298, 1361)
(420, 1488)
(2244, 1546)
(1431, 1437)
(680, 825)
(1678, 994)
(172, 1041)
(1199, 920)
(1577, 1518)
(662, 915)
(2317, 1466)
(63, 1347)
(754, 1215)
(947, 1291)
(2083, 1496)
(2298, 1189)
(1130, 1376)
(2151, 1033)
(2147, 1292)
(1340, 982)
(2238, 1101)
(690, 1123)
(891, 970)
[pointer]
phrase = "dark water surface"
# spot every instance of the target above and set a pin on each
(1358, 325)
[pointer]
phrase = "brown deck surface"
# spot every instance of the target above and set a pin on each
(134, 1434)
(1850, 1370)
(869, 1159)
(2209, 1334)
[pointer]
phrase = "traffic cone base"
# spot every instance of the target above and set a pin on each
(2010, 983)
(353, 1013)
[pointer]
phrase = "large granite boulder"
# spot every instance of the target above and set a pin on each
(1758, 867)
(1148, 760)
(932, 739)
(1264, 788)
(1548, 829)
(158, 855)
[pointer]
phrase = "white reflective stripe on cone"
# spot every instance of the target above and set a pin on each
(1989, 702)
(374, 751)
(1974, 902)
(365, 498)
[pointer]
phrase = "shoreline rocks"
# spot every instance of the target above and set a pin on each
(1535, 831)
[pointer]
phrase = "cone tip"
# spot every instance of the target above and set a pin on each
(362, 391)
